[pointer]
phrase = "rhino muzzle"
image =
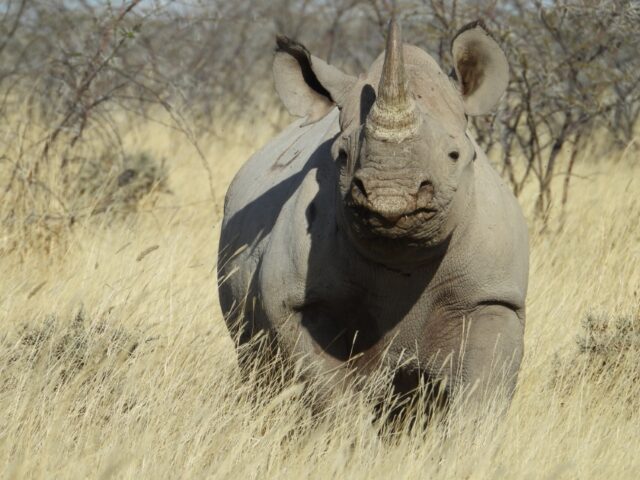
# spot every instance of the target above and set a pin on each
(389, 203)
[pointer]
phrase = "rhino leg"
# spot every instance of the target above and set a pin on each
(317, 345)
(493, 353)
(480, 353)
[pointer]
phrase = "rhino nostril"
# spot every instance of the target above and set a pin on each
(358, 187)
(425, 194)
(426, 185)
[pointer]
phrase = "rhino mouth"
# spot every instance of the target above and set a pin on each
(410, 224)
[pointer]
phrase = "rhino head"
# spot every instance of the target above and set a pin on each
(405, 161)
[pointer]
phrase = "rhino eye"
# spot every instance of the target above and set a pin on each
(454, 155)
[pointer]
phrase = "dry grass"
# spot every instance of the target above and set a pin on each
(114, 359)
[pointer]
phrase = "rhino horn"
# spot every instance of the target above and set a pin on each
(393, 116)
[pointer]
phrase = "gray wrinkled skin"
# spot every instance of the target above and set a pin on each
(353, 252)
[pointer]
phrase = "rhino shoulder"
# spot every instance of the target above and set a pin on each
(278, 164)
(496, 245)
(302, 236)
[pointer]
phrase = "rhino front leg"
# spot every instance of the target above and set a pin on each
(311, 346)
(493, 353)
(480, 354)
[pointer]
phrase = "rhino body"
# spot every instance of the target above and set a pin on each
(347, 264)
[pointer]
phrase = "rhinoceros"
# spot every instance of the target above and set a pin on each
(373, 232)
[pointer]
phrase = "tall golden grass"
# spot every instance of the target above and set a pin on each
(115, 361)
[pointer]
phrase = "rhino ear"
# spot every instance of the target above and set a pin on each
(308, 86)
(481, 68)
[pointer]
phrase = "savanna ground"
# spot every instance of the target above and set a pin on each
(115, 360)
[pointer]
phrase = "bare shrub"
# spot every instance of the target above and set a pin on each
(606, 342)
(109, 184)
(65, 105)
(66, 350)
(605, 352)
